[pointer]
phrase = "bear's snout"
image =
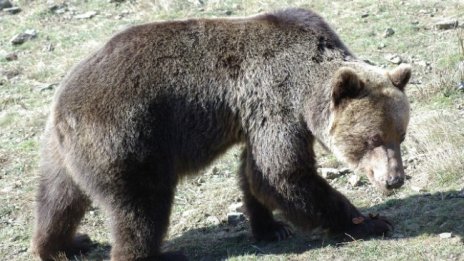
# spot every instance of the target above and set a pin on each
(384, 168)
(395, 182)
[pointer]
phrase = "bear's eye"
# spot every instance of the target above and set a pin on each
(375, 141)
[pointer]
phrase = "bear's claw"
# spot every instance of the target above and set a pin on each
(364, 227)
(276, 231)
(283, 232)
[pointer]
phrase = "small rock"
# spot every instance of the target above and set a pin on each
(49, 86)
(12, 10)
(53, 7)
(58, 8)
(5, 4)
(446, 24)
(22, 250)
(461, 86)
(418, 189)
(23, 37)
(10, 74)
(236, 207)
(329, 173)
(461, 67)
(234, 218)
(354, 180)
(123, 14)
(368, 61)
(393, 58)
(49, 47)
(213, 220)
(200, 180)
(189, 213)
(446, 235)
(86, 15)
(6, 190)
(416, 82)
(215, 171)
(11, 57)
(62, 11)
(388, 32)
(422, 63)
(344, 171)
(381, 46)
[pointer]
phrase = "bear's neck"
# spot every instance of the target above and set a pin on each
(317, 106)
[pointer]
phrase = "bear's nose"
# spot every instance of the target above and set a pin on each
(395, 182)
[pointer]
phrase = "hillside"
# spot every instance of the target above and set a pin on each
(427, 34)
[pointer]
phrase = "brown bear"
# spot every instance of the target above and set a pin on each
(161, 101)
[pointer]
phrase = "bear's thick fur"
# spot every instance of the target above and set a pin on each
(163, 100)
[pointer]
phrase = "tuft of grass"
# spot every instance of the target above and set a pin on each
(461, 47)
(437, 139)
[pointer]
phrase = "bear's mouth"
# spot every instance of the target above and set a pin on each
(386, 186)
(395, 182)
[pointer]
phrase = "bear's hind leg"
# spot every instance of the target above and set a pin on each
(60, 207)
(263, 225)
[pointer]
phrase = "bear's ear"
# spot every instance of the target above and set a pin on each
(346, 85)
(400, 76)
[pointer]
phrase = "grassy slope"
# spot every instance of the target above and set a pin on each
(434, 146)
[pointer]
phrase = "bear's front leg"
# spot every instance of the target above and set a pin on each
(282, 174)
(263, 225)
(310, 200)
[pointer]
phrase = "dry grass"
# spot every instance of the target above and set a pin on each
(433, 150)
(460, 36)
(437, 142)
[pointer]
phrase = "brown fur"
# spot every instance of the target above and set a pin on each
(162, 100)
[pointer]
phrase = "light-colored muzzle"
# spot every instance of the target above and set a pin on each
(384, 167)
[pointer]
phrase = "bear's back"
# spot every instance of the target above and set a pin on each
(183, 65)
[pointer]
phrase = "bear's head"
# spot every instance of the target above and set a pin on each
(369, 117)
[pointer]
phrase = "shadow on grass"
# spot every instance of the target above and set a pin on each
(412, 216)
(425, 214)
